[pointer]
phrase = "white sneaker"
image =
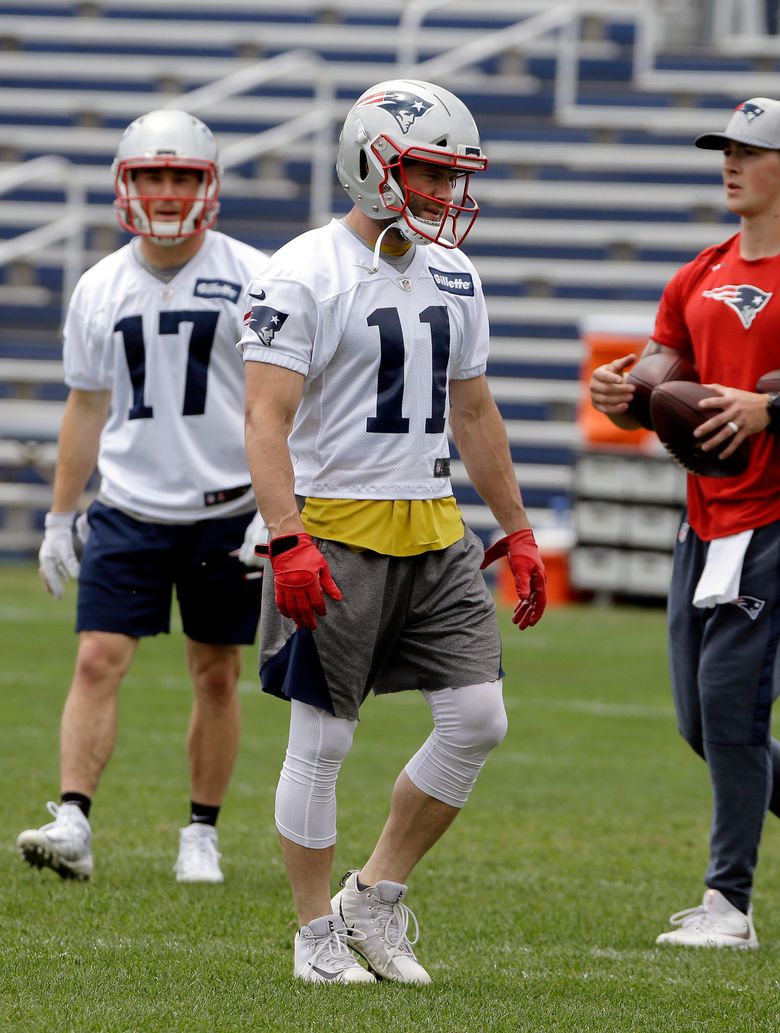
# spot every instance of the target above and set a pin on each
(377, 923)
(198, 859)
(322, 955)
(715, 923)
(64, 845)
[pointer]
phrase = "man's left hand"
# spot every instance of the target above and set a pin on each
(525, 562)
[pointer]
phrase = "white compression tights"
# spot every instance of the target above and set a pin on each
(468, 723)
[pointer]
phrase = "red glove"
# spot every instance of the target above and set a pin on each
(301, 574)
(525, 562)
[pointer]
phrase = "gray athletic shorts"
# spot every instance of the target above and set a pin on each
(411, 622)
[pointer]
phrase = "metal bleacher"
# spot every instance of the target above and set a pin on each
(592, 198)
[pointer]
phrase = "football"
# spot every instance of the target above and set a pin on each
(675, 413)
(648, 373)
(769, 383)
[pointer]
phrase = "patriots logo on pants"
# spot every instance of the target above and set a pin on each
(750, 605)
(746, 300)
(405, 108)
(265, 321)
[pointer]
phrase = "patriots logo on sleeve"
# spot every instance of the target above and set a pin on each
(405, 108)
(265, 321)
(744, 299)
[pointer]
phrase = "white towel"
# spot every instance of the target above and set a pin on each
(719, 581)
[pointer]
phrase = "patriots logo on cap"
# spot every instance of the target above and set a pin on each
(405, 108)
(266, 322)
(751, 111)
(746, 300)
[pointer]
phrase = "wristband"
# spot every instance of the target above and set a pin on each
(59, 519)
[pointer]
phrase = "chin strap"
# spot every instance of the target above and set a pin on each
(378, 247)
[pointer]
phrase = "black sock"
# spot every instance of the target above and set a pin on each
(203, 814)
(359, 884)
(82, 802)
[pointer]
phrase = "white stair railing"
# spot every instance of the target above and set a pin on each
(70, 227)
(737, 18)
(562, 19)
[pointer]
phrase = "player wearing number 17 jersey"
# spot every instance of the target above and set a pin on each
(364, 342)
(171, 449)
(156, 398)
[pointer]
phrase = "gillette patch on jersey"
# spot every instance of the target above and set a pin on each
(453, 283)
(441, 467)
(217, 289)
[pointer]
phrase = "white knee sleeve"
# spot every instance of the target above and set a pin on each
(468, 723)
(306, 793)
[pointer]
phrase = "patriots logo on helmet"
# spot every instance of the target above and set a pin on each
(266, 322)
(746, 300)
(405, 108)
(751, 111)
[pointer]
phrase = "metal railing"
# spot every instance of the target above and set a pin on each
(735, 17)
(70, 227)
(316, 123)
(563, 21)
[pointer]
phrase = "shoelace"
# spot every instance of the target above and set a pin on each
(692, 916)
(63, 818)
(334, 945)
(396, 925)
(53, 809)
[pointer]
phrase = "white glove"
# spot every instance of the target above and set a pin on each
(255, 533)
(57, 558)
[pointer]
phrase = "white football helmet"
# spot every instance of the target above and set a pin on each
(167, 139)
(404, 119)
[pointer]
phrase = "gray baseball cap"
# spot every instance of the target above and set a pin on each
(755, 122)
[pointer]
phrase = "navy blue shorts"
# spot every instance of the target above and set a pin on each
(129, 570)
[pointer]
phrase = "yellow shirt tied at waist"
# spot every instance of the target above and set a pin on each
(392, 527)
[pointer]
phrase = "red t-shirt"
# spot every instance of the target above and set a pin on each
(724, 312)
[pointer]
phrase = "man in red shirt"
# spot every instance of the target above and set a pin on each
(722, 311)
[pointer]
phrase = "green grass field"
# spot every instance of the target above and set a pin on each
(538, 911)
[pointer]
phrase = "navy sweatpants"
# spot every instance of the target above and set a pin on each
(725, 674)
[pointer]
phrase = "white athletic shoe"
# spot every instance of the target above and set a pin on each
(198, 859)
(322, 955)
(715, 923)
(377, 921)
(64, 845)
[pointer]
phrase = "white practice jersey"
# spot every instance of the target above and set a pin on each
(378, 351)
(172, 448)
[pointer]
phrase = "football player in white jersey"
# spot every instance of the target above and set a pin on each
(364, 341)
(156, 400)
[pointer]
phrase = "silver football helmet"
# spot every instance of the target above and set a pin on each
(167, 139)
(405, 120)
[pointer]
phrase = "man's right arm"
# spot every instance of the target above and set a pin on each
(273, 394)
(301, 574)
(77, 447)
(77, 450)
(611, 394)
